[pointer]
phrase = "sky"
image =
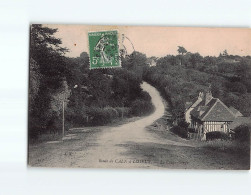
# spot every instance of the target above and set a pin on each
(162, 41)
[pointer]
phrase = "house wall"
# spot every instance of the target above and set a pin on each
(196, 124)
(188, 116)
(210, 126)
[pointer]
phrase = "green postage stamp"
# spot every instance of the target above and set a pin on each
(103, 49)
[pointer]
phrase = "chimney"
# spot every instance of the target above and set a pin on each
(208, 97)
(200, 97)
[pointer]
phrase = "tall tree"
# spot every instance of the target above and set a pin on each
(225, 53)
(181, 50)
(47, 76)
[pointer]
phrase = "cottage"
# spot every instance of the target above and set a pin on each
(152, 61)
(208, 114)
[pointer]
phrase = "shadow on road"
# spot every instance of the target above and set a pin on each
(178, 156)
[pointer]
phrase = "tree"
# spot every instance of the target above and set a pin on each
(42, 40)
(48, 74)
(195, 59)
(35, 78)
(137, 62)
(181, 50)
(225, 53)
(136, 59)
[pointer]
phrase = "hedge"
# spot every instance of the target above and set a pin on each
(242, 133)
(216, 135)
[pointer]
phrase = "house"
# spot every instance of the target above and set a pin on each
(152, 61)
(208, 114)
(190, 106)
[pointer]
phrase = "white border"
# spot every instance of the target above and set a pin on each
(15, 17)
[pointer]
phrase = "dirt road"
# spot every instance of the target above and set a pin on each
(111, 150)
(136, 144)
(107, 148)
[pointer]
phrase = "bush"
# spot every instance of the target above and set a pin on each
(183, 124)
(112, 112)
(145, 96)
(100, 116)
(140, 107)
(242, 133)
(216, 135)
(123, 111)
(191, 130)
(180, 131)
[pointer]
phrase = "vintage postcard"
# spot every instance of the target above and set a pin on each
(139, 97)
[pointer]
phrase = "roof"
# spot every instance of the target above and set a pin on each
(236, 112)
(197, 111)
(240, 121)
(215, 110)
(188, 104)
(192, 105)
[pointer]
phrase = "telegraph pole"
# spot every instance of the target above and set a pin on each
(63, 110)
(63, 121)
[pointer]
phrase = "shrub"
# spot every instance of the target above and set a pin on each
(183, 124)
(145, 96)
(216, 135)
(123, 110)
(191, 130)
(112, 112)
(180, 131)
(242, 133)
(140, 107)
(101, 116)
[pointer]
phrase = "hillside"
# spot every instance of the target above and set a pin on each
(229, 78)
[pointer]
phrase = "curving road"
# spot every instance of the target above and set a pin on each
(106, 148)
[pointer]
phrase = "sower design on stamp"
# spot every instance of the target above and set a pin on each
(103, 49)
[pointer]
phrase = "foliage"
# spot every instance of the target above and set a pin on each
(181, 131)
(103, 92)
(183, 124)
(191, 130)
(229, 77)
(181, 50)
(35, 78)
(242, 133)
(47, 79)
(140, 107)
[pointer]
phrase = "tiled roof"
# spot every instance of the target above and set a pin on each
(196, 111)
(240, 121)
(215, 110)
(219, 112)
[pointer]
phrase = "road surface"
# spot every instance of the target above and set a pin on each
(112, 144)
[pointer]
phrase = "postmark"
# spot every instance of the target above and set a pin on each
(104, 49)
